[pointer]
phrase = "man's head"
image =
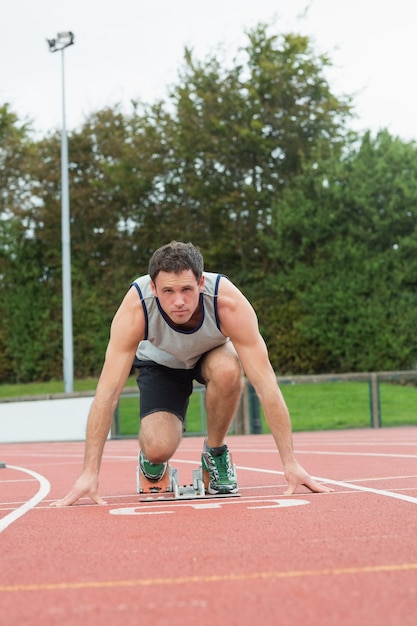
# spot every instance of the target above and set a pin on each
(176, 272)
(176, 257)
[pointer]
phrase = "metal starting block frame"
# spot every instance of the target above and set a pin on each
(171, 489)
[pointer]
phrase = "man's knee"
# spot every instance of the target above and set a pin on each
(225, 370)
(159, 436)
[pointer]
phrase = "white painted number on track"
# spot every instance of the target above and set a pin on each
(157, 508)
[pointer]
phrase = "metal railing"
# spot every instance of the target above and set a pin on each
(248, 415)
(372, 378)
(247, 419)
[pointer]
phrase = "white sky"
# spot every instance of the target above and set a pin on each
(133, 49)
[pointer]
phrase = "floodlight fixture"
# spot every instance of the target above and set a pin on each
(63, 40)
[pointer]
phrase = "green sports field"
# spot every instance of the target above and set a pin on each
(318, 406)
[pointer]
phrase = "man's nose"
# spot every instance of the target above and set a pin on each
(179, 299)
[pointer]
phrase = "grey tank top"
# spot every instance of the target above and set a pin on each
(169, 345)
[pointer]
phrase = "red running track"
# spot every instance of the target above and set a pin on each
(348, 558)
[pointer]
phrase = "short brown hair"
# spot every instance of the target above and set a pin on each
(176, 257)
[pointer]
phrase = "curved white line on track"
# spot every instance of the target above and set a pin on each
(44, 489)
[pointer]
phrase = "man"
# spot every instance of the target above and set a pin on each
(177, 324)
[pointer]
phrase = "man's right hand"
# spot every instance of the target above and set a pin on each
(86, 485)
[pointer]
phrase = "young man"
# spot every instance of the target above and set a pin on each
(178, 324)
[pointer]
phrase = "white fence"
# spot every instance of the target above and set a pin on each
(52, 419)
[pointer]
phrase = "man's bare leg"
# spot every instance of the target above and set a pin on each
(223, 375)
(224, 382)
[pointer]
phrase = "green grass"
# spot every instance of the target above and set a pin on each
(128, 416)
(398, 405)
(52, 386)
(328, 405)
(319, 406)
(336, 405)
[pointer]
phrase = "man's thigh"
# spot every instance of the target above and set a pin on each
(163, 389)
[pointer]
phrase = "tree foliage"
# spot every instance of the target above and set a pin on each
(253, 161)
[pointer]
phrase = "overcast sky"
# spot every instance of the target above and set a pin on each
(133, 49)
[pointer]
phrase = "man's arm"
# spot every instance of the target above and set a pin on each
(239, 322)
(127, 330)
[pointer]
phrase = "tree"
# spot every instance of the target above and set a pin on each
(349, 233)
(22, 303)
(243, 134)
(251, 160)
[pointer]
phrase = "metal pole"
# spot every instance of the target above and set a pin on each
(68, 365)
(375, 401)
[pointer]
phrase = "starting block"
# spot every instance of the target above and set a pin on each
(168, 488)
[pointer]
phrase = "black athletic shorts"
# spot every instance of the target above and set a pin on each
(164, 388)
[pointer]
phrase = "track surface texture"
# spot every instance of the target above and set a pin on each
(348, 558)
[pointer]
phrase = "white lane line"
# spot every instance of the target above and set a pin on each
(381, 454)
(345, 485)
(332, 453)
(44, 489)
(379, 492)
(18, 480)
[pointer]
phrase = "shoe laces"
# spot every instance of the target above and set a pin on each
(222, 464)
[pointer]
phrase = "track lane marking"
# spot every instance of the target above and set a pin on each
(340, 483)
(211, 578)
(201, 504)
(379, 492)
(44, 489)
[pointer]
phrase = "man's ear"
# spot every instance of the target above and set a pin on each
(153, 287)
(201, 285)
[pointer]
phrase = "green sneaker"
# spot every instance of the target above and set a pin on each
(151, 471)
(218, 465)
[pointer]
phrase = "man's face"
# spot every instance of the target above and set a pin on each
(178, 294)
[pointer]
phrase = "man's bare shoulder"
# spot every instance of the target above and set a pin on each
(130, 317)
(229, 294)
(234, 309)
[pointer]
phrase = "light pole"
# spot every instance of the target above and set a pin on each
(62, 41)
